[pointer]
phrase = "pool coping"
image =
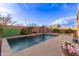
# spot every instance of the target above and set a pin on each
(28, 35)
(50, 47)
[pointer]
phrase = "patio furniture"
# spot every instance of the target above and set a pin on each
(75, 40)
(67, 52)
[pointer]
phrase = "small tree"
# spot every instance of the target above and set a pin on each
(7, 20)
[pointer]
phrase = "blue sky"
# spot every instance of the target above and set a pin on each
(41, 13)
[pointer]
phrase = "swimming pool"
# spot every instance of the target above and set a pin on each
(17, 44)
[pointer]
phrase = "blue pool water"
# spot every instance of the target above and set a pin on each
(18, 44)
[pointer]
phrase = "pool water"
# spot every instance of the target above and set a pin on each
(17, 44)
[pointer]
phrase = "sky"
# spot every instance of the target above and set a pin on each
(41, 13)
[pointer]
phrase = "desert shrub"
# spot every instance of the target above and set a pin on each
(56, 30)
(69, 31)
(25, 31)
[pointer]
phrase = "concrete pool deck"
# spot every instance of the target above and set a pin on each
(50, 47)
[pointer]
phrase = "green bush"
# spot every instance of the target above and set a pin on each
(11, 32)
(1, 30)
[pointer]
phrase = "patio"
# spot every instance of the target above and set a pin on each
(48, 48)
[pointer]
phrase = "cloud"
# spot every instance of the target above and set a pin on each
(5, 10)
(64, 21)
